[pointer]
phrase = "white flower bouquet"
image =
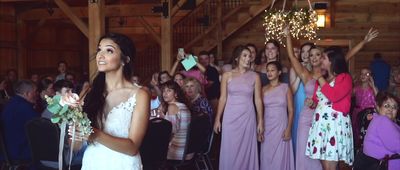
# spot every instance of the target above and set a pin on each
(67, 110)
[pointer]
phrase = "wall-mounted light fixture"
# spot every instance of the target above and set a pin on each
(322, 14)
(321, 20)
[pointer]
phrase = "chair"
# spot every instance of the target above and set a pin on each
(197, 141)
(43, 137)
(203, 157)
(364, 122)
(154, 148)
(8, 163)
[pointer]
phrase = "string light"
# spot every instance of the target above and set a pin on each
(274, 23)
(302, 23)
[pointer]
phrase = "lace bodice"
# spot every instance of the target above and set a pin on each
(118, 120)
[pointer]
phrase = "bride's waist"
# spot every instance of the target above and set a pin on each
(98, 150)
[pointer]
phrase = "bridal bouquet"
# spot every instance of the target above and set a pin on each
(67, 110)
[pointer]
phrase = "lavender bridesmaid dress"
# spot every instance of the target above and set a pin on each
(239, 126)
(303, 162)
(275, 152)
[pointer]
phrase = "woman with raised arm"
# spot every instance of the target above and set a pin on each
(118, 109)
(242, 124)
(305, 118)
(297, 86)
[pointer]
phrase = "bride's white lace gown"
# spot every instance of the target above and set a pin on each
(99, 157)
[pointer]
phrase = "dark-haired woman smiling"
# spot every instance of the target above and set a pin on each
(330, 138)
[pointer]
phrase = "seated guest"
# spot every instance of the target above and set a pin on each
(61, 87)
(178, 78)
(199, 105)
(179, 115)
(45, 88)
(383, 134)
(4, 96)
(18, 111)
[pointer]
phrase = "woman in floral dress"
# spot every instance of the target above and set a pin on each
(331, 138)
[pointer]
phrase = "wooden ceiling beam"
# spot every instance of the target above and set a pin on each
(74, 18)
(82, 12)
(176, 8)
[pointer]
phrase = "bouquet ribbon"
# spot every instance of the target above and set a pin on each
(63, 127)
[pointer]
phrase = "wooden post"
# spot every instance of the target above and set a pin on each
(219, 54)
(166, 40)
(96, 30)
(21, 58)
(352, 62)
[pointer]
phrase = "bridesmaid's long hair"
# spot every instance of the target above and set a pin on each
(95, 99)
(337, 59)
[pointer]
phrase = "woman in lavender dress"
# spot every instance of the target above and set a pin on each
(303, 162)
(277, 150)
(241, 126)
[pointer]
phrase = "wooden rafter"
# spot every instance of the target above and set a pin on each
(150, 29)
(74, 18)
(178, 5)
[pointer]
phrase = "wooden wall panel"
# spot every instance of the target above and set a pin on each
(54, 43)
(7, 39)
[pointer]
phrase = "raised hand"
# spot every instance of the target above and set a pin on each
(286, 31)
(372, 33)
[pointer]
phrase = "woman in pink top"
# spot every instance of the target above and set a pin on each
(330, 137)
(364, 93)
(196, 72)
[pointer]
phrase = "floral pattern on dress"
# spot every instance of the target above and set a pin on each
(330, 136)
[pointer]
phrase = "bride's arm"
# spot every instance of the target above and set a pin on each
(140, 118)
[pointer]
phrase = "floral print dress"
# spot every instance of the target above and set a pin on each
(330, 136)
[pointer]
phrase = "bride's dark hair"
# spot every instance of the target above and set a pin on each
(95, 99)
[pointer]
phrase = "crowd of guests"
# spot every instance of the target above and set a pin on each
(306, 115)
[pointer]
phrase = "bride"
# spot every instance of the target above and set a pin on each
(117, 109)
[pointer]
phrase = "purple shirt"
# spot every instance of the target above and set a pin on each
(383, 138)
